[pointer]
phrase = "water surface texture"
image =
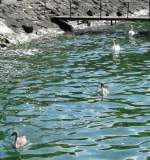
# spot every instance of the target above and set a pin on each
(48, 92)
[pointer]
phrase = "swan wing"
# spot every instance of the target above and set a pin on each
(21, 141)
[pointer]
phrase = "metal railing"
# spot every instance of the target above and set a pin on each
(101, 2)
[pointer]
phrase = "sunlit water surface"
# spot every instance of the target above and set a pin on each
(48, 92)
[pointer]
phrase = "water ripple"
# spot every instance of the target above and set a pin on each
(49, 93)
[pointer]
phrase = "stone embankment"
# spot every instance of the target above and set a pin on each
(24, 20)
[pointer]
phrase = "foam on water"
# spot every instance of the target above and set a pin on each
(26, 51)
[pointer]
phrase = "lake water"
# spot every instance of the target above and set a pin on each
(48, 92)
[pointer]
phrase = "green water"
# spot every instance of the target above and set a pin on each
(48, 92)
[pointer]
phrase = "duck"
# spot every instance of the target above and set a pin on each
(103, 90)
(131, 31)
(20, 141)
(116, 46)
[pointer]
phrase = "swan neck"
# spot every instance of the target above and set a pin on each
(15, 134)
(114, 43)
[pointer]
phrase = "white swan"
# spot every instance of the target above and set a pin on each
(19, 141)
(103, 90)
(131, 31)
(116, 46)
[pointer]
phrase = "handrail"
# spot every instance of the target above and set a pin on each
(149, 9)
(128, 4)
(100, 7)
(70, 7)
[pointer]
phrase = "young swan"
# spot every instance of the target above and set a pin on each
(116, 47)
(103, 90)
(131, 31)
(19, 141)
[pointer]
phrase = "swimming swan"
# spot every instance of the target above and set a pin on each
(131, 31)
(19, 141)
(116, 47)
(103, 90)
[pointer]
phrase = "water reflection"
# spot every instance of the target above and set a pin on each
(132, 40)
(116, 58)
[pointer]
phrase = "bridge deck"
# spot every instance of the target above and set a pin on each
(73, 18)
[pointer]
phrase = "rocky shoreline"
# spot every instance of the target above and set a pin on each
(24, 20)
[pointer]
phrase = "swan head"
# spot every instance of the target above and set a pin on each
(15, 134)
(102, 85)
(115, 44)
(103, 90)
(131, 26)
(114, 41)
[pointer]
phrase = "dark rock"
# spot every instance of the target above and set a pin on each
(119, 13)
(13, 25)
(6, 41)
(53, 12)
(107, 14)
(89, 13)
(2, 45)
(27, 29)
(76, 3)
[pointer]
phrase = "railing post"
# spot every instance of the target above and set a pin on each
(149, 9)
(45, 8)
(127, 9)
(70, 7)
(100, 7)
